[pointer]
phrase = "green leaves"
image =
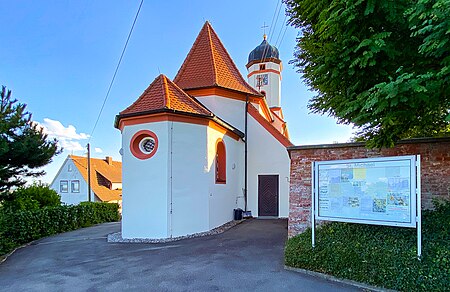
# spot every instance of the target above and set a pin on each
(22, 226)
(383, 66)
(31, 197)
(23, 147)
(379, 255)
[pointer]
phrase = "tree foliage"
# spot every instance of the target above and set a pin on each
(382, 65)
(33, 197)
(23, 146)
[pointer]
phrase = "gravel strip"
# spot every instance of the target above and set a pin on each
(117, 237)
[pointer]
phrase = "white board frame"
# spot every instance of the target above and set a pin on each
(415, 220)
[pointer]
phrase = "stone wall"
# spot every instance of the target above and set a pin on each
(435, 171)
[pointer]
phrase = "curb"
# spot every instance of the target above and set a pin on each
(363, 286)
(117, 236)
(3, 258)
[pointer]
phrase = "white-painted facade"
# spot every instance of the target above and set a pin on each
(267, 156)
(70, 175)
(230, 110)
(272, 87)
(174, 190)
(174, 193)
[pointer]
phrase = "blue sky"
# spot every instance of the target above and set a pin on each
(59, 56)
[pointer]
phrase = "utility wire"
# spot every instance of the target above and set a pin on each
(282, 37)
(277, 14)
(276, 21)
(270, 29)
(115, 72)
(281, 30)
(273, 17)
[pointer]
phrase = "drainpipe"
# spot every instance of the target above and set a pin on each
(171, 178)
(245, 152)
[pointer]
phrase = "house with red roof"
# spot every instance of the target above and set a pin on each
(199, 146)
(71, 181)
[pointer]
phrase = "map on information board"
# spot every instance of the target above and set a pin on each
(377, 190)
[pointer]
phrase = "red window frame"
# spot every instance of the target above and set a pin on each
(136, 140)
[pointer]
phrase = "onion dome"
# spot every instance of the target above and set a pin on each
(263, 52)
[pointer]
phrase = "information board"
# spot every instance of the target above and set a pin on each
(379, 191)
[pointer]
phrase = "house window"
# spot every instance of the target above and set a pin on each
(75, 186)
(262, 67)
(64, 186)
(69, 168)
(221, 163)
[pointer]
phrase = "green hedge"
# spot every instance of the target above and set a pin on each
(379, 255)
(33, 197)
(17, 228)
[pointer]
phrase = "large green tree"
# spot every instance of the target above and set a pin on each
(381, 65)
(23, 146)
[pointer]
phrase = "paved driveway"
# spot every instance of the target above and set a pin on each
(248, 257)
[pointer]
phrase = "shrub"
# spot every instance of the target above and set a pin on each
(379, 255)
(22, 226)
(32, 197)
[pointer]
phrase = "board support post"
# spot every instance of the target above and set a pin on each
(313, 204)
(419, 209)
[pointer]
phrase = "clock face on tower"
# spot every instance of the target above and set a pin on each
(262, 79)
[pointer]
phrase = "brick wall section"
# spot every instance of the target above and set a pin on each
(435, 171)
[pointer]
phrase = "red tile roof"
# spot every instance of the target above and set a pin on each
(208, 64)
(100, 168)
(270, 127)
(164, 94)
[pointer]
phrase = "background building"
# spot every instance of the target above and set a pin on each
(106, 180)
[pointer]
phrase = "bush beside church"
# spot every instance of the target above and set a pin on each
(31, 216)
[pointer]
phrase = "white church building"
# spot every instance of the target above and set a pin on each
(198, 147)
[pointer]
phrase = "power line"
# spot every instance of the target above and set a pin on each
(276, 21)
(281, 30)
(273, 17)
(270, 29)
(115, 72)
(282, 37)
(277, 14)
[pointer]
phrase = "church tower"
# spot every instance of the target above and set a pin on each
(264, 72)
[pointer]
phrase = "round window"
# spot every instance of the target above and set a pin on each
(147, 145)
(144, 144)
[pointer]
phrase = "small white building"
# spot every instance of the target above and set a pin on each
(208, 142)
(106, 180)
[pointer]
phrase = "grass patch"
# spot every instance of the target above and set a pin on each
(379, 255)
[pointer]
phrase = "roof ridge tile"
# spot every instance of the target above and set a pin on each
(165, 91)
(163, 94)
(208, 64)
(212, 52)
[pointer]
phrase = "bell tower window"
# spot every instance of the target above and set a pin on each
(262, 67)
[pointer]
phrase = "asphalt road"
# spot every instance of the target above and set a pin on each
(248, 257)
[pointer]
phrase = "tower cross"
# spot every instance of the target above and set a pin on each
(264, 29)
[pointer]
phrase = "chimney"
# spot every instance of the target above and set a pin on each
(109, 160)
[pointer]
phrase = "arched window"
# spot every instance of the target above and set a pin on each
(221, 163)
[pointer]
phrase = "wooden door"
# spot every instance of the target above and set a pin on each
(268, 195)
